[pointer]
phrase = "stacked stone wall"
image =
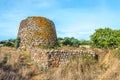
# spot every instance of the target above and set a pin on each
(56, 57)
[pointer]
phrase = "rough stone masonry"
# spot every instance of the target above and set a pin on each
(35, 31)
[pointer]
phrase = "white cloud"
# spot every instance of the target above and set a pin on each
(76, 22)
(78, 35)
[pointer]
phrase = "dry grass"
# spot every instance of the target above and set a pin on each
(85, 68)
(17, 65)
(74, 70)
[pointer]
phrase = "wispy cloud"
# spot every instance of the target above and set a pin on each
(74, 34)
(73, 18)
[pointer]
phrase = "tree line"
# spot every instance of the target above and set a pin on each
(66, 41)
(60, 42)
(101, 38)
(11, 42)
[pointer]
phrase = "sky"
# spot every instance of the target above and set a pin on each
(72, 18)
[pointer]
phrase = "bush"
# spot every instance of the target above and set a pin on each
(17, 42)
(68, 42)
(106, 38)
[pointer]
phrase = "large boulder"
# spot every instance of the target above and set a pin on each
(35, 31)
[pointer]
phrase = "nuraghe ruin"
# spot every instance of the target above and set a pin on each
(36, 31)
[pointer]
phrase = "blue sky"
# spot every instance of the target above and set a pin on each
(72, 18)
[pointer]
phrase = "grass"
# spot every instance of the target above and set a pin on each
(82, 68)
(86, 68)
(18, 65)
(117, 53)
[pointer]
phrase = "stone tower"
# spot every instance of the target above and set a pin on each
(35, 31)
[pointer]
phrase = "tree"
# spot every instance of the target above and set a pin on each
(68, 42)
(75, 42)
(105, 38)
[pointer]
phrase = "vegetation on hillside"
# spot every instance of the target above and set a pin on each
(60, 42)
(72, 42)
(11, 42)
(102, 38)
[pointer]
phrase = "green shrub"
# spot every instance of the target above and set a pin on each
(106, 38)
(17, 43)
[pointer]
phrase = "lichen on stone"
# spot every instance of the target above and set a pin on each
(37, 30)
